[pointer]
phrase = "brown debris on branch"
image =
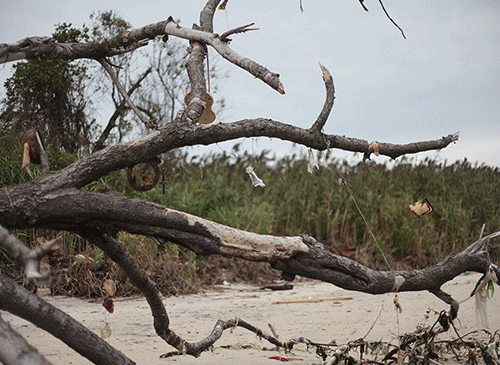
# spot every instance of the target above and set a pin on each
(34, 151)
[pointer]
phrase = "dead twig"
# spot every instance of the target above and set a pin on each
(242, 29)
(330, 98)
(148, 123)
(392, 21)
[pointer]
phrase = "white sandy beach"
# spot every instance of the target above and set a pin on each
(193, 317)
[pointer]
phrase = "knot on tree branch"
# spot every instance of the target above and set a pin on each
(311, 241)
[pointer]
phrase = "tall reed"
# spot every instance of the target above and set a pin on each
(216, 187)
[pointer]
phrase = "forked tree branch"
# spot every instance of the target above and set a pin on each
(260, 72)
(242, 29)
(105, 64)
(30, 258)
(120, 108)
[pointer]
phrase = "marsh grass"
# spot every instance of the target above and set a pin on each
(216, 187)
(464, 197)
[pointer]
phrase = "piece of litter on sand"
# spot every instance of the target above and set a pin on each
(310, 300)
(284, 359)
(278, 287)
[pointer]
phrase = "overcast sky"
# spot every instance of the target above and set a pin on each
(444, 78)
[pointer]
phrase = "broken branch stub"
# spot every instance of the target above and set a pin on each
(31, 258)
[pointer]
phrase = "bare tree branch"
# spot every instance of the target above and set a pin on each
(179, 134)
(34, 47)
(262, 73)
(22, 303)
(30, 258)
(120, 108)
(121, 89)
(196, 74)
(207, 15)
(241, 29)
(392, 21)
(15, 350)
(25, 48)
(386, 14)
(47, 47)
(292, 255)
(330, 97)
(196, 348)
(119, 254)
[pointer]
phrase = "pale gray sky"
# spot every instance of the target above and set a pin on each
(444, 78)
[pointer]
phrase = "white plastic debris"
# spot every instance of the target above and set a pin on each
(253, 176)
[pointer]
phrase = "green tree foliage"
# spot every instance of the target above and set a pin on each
(50, 94)
(55, 95)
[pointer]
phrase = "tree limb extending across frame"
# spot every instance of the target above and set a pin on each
(55, 201)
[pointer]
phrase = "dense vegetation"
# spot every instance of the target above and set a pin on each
(52, 93)
(216, 187)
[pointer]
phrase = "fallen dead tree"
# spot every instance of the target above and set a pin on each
(57, 202)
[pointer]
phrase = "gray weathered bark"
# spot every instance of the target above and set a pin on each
(22, 303)
(55, 201)
(15, 350)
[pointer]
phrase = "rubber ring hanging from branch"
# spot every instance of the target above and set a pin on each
(143, 176)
